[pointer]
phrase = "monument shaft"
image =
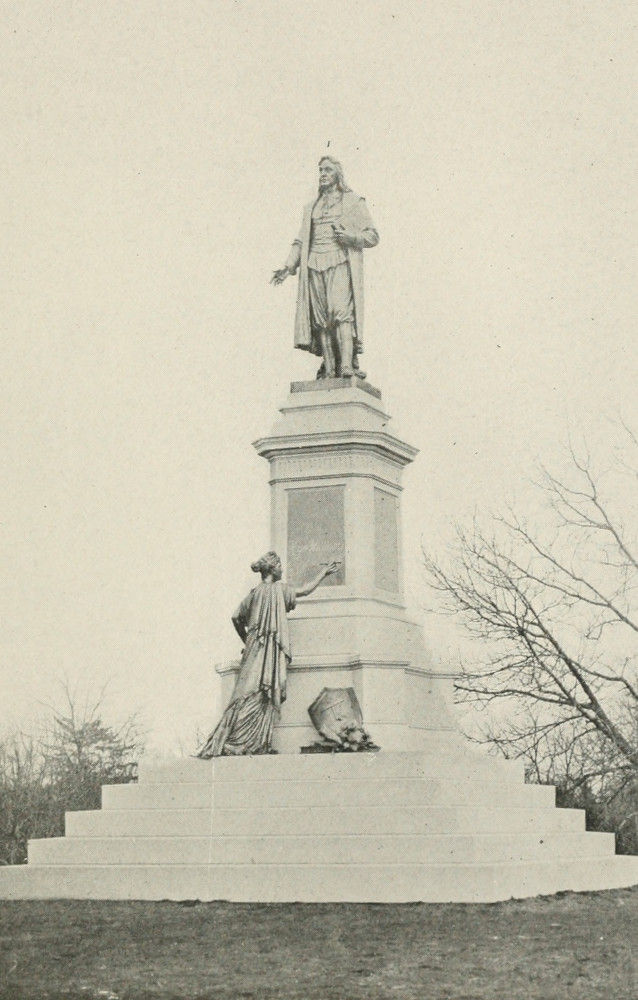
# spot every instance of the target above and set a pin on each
(335, 478)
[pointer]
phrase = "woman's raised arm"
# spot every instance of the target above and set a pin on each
(314, 583)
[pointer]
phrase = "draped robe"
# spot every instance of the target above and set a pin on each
(246, 726)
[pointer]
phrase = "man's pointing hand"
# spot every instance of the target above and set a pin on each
(279, 276)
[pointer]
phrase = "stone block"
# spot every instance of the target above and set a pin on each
(139, 823)
(180, 795)
(151, 850)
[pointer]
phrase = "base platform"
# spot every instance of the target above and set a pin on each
(441, 825)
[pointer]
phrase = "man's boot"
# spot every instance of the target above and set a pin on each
(346, 346)
(359, 372)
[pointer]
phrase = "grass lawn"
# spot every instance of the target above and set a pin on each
(554, 948)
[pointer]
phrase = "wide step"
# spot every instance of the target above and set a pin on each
(325, 792)
(311, 849)
(320, 820)
(453, 764)
(309, 883)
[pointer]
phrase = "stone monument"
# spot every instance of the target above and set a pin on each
(427, 817)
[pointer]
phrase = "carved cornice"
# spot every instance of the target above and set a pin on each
(327, 443)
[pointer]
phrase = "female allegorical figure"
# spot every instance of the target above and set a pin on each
(246, 726)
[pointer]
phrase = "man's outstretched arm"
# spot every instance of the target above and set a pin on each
(291, 265)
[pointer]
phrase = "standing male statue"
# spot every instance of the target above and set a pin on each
(328, 253)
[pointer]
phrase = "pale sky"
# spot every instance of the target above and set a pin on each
(156, 160)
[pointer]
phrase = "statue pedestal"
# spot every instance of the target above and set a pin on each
(335, 477)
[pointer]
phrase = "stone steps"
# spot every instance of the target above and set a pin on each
(440, 825)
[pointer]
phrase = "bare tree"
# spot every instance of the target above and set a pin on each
(27, 799)
(83, 752)
(60, 768)
(557, 615)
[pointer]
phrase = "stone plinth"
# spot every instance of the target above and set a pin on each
(335, 478)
